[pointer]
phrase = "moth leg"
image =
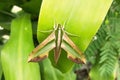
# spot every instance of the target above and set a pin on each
(70, 34)
(49, 31)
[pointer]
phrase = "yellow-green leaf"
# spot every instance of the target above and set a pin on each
(15, 52)
(82, 17)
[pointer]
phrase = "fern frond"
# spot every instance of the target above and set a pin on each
(97, 42)
(108, 59)
(107, 46)
(109, 56)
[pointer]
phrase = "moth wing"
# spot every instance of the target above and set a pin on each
(73, 52)
(41, 51)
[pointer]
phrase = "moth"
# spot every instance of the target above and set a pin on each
(57, 40)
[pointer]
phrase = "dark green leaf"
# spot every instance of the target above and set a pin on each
(33, 6)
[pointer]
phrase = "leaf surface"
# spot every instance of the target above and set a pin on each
(81, 17)
(15, 52)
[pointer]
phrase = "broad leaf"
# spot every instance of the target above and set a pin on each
(15, 52)
(51, 73)
(28, 7)
(81, 17)
(0, 63)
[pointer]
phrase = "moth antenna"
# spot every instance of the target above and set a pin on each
(65, 23)
(55, 24)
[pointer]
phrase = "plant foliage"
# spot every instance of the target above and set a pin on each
(103, 53)
(104, 50)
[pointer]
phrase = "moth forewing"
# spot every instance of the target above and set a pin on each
(42, 53)
(72, 54)
(35, 56)
(74, 59)
(71, 43)
(38, 58)
(73, 51)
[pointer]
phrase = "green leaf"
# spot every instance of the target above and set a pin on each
(15, 52)
(28, 6)
(82, 18)
(48, 72)
(0, 63)
(3, 4)
(95, 74)
(5, 19)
